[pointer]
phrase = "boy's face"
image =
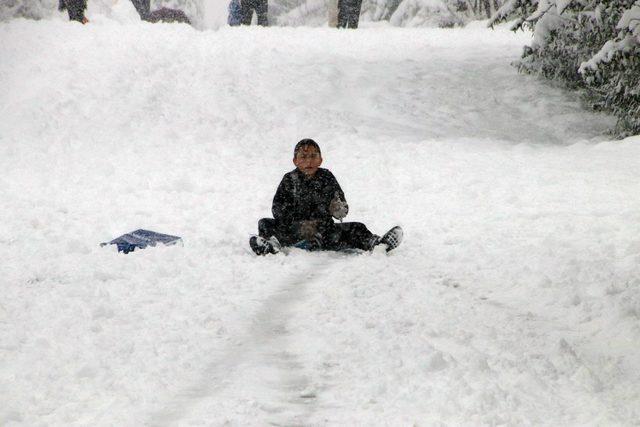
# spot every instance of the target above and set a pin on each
(308, 160)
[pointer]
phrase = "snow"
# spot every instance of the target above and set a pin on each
(561, 5)
(424, 13)
(308, 13)
(630, 18)
(547, 19)
(514, 299)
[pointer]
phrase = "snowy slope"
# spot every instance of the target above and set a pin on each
(514, 299)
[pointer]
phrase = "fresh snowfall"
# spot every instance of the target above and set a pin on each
(513, 300)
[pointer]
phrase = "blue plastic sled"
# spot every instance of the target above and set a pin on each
(141, 239)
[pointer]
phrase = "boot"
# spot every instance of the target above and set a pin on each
(392, 238)
(262, 246)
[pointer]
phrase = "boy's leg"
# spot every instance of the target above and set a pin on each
(267, 241)
(354, 13)
(352, 235)
(262, 8)
(246, 8)
(343, 13)
(268, 227)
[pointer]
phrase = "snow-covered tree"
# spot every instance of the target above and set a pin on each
(613, 73)
(429, 13)
(593, 45)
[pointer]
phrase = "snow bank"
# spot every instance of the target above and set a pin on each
(33, 9)
(311, 13)
(425, 13)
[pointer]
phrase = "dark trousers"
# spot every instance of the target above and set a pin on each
(333, 237)
(349, 13)
(75, 8)
(260, 6)
(143, 7)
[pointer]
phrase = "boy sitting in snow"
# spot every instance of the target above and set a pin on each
(307, 200)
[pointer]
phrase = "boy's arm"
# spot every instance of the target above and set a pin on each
(338, 207)
(282, 206)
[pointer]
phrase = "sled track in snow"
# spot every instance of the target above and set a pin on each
(262, 347)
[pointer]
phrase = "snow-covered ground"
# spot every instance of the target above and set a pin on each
(514, 300)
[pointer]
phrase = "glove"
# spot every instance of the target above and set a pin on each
(308, 229)
(338, 208)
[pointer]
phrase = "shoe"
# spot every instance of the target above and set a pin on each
(262, 246)
(392, 238)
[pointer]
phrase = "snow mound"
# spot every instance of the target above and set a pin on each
(513, 299)
(425, 13)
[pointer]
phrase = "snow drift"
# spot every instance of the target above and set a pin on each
(514, 298)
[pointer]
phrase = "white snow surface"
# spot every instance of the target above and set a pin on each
(425, 13)
(514, 299)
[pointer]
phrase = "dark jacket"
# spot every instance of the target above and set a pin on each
(300, 198)
(165, 14)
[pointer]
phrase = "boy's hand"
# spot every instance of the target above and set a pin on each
(338, 208)
(308, 229)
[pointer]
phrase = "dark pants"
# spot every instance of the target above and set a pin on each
(260, 6)
(143, 7)
(349, 13)
(75, 8)
(334, 236)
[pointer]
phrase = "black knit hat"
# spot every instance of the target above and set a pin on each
(307, 142)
